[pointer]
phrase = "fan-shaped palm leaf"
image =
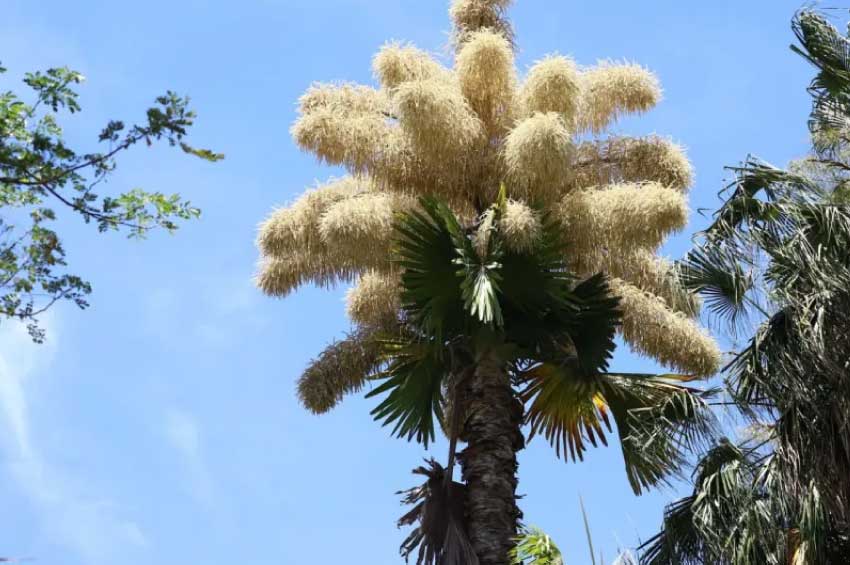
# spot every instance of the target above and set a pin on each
(658, 420)
(413, 382)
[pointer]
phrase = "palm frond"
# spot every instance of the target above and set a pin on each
(811, 534)
(752, 202)
(426, 250)
(719, 276)
(679, 541)
(566, 408)
(413, 383)
(480, 269)
(659, 422)
(440, 537)
(595, 324)
(727, 518)
(749, 373)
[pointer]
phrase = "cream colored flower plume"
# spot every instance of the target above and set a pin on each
(460, 131)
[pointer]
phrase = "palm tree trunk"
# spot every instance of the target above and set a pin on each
(489, 464)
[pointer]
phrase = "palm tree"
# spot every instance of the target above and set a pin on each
(779, 251)
(491, 329)
(497, 244)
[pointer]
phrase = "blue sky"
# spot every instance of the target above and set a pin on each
(161, 425)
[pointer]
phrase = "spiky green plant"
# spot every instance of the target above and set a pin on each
(778, 251)
(534, 547)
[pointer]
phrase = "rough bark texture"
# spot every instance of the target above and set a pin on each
(489, 463)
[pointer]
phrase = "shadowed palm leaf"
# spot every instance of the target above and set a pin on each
(438, 507)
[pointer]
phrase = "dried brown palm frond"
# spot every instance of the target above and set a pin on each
(487, 76)
(674, 340)
(438, 506)
(622, 216)
(552, 85)
(396, 63)
(538, 153)
(342, 368)
(611, 90)
(627, 159)
(375, 300)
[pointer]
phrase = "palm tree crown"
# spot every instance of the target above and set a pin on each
(459, 134)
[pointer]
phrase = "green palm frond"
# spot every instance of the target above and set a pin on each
(659, 422)
(811, 534)
(679, 541)
(719, 276)
(566, 408)
(449, 284)
(727, 518)
(752, 202)
(413, 382)
(530, 284)
(480, 266)
(749, 373)
(425, 248)
(595, 325)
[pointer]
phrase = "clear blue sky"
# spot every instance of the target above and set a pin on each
(161, 425)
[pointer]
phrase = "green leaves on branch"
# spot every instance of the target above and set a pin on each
(40, 173)
(534, 547)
